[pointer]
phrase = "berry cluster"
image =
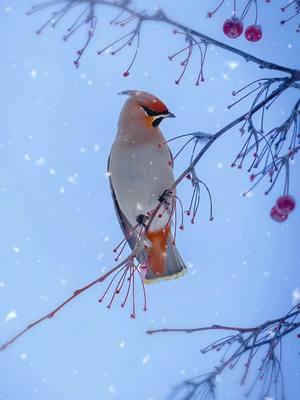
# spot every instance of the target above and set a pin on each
(233, 27)
(284, 205)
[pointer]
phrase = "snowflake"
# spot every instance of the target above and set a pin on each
(146, 359)
(40, 161)
(232, 64)
(111, 389)
(11, 315)
(296, 296)
(33, 73)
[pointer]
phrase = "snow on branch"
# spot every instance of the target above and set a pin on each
(262, 345)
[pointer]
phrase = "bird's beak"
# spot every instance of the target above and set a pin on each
(170, 115)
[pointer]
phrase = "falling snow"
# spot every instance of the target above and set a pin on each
(11, 315)
(232, 64)
(296, 296)
(146, 359)
(40, 162)
(33, 73)
(73, 179)
(64, 125)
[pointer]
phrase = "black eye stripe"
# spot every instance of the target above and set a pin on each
(152, 113)
(157, 121)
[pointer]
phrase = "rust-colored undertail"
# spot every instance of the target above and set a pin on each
(158, 252)
(163, 259)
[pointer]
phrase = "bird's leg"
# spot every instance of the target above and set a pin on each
(141, 219)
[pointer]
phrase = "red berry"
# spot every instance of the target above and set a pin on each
(253, 33)
(125, 74)
(276, 215)
(285, 204)
(233, 27)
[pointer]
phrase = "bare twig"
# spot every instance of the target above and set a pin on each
(158, 16)
(243, 341)
(126, 270)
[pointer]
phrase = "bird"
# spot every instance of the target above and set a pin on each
(140, 172)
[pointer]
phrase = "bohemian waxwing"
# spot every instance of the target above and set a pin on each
(140, 171)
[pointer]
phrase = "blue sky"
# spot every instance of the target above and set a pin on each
(58, 225)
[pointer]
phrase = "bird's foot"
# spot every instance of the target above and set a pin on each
(164, 197)
(141, 219)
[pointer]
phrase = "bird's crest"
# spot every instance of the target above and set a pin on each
(147, 99)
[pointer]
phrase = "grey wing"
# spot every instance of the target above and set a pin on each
(127, 229)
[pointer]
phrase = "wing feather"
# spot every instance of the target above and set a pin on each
(124, 223)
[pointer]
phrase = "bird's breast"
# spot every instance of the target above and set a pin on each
(139, 174)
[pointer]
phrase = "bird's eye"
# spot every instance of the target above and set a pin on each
(149, 112)
(152, 113)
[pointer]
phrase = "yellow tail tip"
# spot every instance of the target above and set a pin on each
(165, 278)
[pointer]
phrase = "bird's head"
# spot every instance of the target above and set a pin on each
(144, 109)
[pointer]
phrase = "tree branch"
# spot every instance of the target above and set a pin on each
(160, 16)
(243, 341)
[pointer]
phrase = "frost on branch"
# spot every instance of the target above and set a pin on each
(258, 350)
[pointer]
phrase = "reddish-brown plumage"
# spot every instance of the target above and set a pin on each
(157, 254)
(152, 102)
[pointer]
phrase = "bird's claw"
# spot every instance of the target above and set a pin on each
(141, 219)
(163, 197)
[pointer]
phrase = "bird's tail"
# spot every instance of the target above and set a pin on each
(164, 261)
